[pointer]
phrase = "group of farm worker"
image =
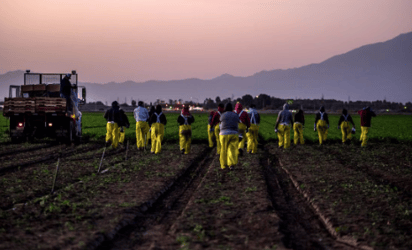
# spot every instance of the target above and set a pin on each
(228, 128)
(321, 125)
(150, 126)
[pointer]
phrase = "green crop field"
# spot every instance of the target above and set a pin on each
(384, 127)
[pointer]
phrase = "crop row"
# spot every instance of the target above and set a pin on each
(384, 127)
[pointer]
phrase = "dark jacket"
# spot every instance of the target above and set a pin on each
(125, 120)
(113, 115)
(153, 117)
(299, 117)
(181, 120)
(345, 117)
(325, 116)
(65, 87)
(151, 112)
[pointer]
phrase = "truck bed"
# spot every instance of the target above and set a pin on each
(34, 105)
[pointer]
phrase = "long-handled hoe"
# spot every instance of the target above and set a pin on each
(145, 142)
(127, 149)
(101, 161)
(55, 174)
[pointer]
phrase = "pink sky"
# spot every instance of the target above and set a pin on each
(139, 40)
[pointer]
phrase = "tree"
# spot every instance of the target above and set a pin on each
(218, 100)
(133, 103)
(247, 100)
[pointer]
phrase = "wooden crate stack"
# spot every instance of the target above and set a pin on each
(19, 105)
(50, 104)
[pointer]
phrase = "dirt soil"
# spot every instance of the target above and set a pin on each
(309, 197)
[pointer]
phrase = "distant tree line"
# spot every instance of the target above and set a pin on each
(264, 101)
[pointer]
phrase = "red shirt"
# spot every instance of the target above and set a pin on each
(366, 117)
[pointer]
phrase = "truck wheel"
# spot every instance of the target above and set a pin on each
(69, 138)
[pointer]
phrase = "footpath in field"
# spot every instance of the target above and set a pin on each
(364, 195)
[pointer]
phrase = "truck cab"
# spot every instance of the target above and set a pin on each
(36, 110)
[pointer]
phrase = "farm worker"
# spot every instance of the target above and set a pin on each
(210, 131)
(158, 121)
(322, 125)
(215, 125)
(125, 123)
(185, 120)
(298, 127)
(65, 91)
(366, 115)
(252, 135)
(113, 119)
(141, 115)
(282, 127)
(343, 125)
(229, 138)
(244, 124)
(148, 134)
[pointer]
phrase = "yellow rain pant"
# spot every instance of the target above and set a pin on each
(211, 136)
(112, 134)
(185, 141)
(141, 130)
(218, 145)
(229, 151)
(298, 133)
(242, 131)
(122, 135)
(252, 138)
(364, 136)
(346, 131)
(322, 128)
(158, 131)
(148, 136)
(284, 136)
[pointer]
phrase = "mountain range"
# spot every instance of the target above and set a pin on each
(372, 72)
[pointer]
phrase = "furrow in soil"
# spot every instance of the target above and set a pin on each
(299, 223)
(164, 211)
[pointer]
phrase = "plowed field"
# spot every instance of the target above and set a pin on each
(308, 197)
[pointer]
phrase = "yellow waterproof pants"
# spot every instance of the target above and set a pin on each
(252, 138)
(112, 134)
(228, 151)
(284, 136)
(298, 133)
(141, 130)
(211, 136)
(218, 145)
(148, 136)
(322, 128)
(122, 135)
(242, 131)
(158, 131)
(346, 131)
(185, 141)
(364, 136)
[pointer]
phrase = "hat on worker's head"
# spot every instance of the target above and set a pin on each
(68, 76)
